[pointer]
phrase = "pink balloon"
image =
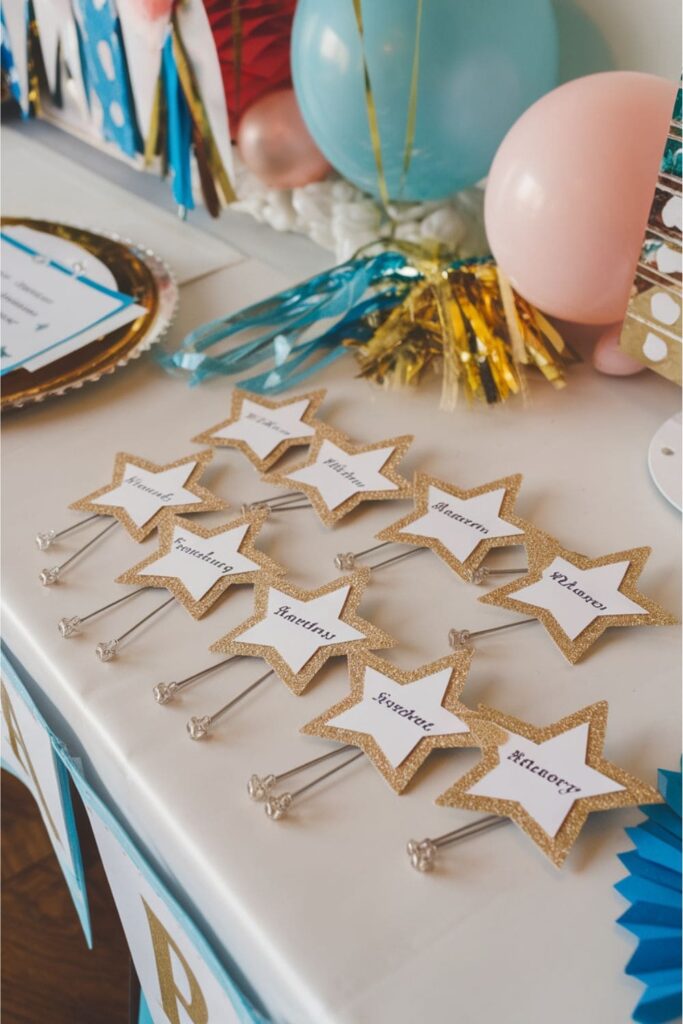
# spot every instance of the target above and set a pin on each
(274, 143)
(569, 192)
(153, 9)
(609, 358)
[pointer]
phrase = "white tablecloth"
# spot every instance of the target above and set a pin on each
(322, 911)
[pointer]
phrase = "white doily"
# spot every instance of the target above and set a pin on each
(339, 217)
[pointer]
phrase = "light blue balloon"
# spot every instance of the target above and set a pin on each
(482, 63)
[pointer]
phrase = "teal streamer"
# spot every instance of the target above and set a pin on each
(281, 320)
(653, 888)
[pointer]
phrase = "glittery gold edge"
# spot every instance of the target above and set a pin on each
(542, 548)
(299, 681)
(239, 396)
(209, 502)
(556, 848)
(197, 609)
(400, 777)
(329, 516)
(397, 533)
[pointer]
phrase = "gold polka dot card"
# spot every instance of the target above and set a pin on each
(652, 328)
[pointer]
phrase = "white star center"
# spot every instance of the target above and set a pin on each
(461, 524)
(576, 597)
(399, 716)
(297, 629)
(264, 429)
(337, 475)
(199, 562)
(545, 778)
(143, 492)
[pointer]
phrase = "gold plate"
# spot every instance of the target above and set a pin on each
(139, 273)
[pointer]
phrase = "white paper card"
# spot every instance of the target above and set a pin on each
(399, 716)
(46, 307)
(297, 629)
(576, 597)
(177, 983)
(142, 492)
(27, 752)
(199, 562)
(461, 524)
(337, 475)
(264, 429)
(545, 778)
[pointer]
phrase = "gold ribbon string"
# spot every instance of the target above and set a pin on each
(152, 140)
(461, 320)
(236, 23)
(412, 101)
(371, 109)
(199, 115)
(371, 106)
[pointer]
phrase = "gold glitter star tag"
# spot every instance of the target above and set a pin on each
(141, 493)
(577, 598)
(264, 429)
(339, 474)
(295, 631)
(197, 566)
(399, 717)
(461, 526)
(548, 780)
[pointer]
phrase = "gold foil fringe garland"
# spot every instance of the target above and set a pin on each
(466, 323)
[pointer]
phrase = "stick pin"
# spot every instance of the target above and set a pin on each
(106, 649)
(422, 852)
(348, 560)
(164, 693)
(200, 726)
(461, 639)
(49, 576)
(47, 539)
(70, 626)
(277, 805)
(282, 503)
(260, 788)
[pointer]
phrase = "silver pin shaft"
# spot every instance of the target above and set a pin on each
(423, 852)
(198, 727)
(165, 692)
(50, 576)
(68, 626)
(106, 650)
(462, 638)
(48, 537)
(259, 788)
(278, 805)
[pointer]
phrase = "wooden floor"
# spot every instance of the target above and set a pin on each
(48, 974)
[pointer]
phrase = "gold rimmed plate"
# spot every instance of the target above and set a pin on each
(138, 272)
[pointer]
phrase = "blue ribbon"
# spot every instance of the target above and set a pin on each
(653, 888)
(179, 125)
(282, 319)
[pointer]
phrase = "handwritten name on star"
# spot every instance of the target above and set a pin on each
(564, 788)
(285, 612)
(344, 472)
(181, 545)
(577, 597)
(445, 509)
(409, 714)
(268, 424)
(135, 481)
(573, 587)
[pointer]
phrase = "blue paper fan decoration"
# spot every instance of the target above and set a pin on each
(653, 888)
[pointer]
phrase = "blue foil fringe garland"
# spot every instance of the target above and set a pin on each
(283, 318)
(653, 888)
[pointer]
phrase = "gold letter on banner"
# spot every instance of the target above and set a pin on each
(21, 753)
(171, 995)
